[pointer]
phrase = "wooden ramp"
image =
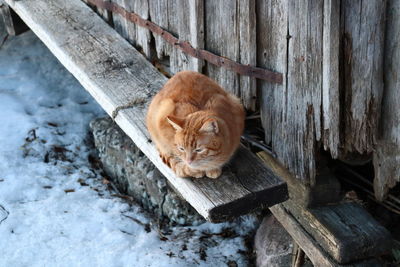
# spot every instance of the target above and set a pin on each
(122, 81)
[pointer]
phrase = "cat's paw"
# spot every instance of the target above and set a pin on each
(196, 174)
(165, 159)
(215, 173)
(179, 170)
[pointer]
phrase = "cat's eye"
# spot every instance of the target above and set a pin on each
(181, 148)
(198, 150)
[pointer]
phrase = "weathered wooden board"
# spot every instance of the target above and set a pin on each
(118, 77)
(13, 24)
(138, 36)
(185, 19)
(325, 191)
(330, 77)
(387, 154)
(292, 44)
(248, 51)
(272, 42)
(332, 88)
(230, 32)
(308, 243)
(344, 231)
(363, 24)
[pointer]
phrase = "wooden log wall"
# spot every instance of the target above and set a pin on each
(330, 53)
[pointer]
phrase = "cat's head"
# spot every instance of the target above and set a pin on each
(199, 140)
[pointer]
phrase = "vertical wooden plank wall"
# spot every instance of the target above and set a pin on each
(387, 155)
(363, 25)
(330, 53)
(312, 109)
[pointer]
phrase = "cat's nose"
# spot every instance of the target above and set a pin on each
(189, 160)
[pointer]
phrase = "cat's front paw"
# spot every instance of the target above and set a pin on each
(180, 171)
(196, 174)
(215, 173)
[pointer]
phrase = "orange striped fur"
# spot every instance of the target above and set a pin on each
(195, 125)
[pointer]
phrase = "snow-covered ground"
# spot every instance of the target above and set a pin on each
(54, 208)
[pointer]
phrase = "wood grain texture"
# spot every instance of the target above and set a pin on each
(117, 75)
(185, 19)
(272, 43)
(330, 77)
(325, 191)
(138, 36)
(12, 23)
(345, 231)
(362, 66)
(159, 15)
(248, 51)
(387, 154)
(230, 32)
(331, 55)
(292, 112)
(222, 38)
(302, 113)
(308, 243)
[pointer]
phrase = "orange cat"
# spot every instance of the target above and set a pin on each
(195, 125)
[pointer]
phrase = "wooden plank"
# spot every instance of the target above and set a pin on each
(301, 117)
(185, 19)
(118, 77)
(13, 24)
(230, 32)
(159, 15)
(272, 42)
(330, 80)
(362, 65)
(248, 51)
(310, 246)
(221, 37)
(326, 189)
(138, 36)
(340, 233)
(293, 46)
(387, 154)
(345, 231)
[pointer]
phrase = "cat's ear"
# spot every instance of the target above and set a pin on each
(177, 123)
(210, 126)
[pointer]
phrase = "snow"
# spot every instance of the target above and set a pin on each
(54, 208)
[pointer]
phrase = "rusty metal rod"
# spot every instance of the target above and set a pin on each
(186, 47)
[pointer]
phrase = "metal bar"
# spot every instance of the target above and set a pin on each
(186, 47)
